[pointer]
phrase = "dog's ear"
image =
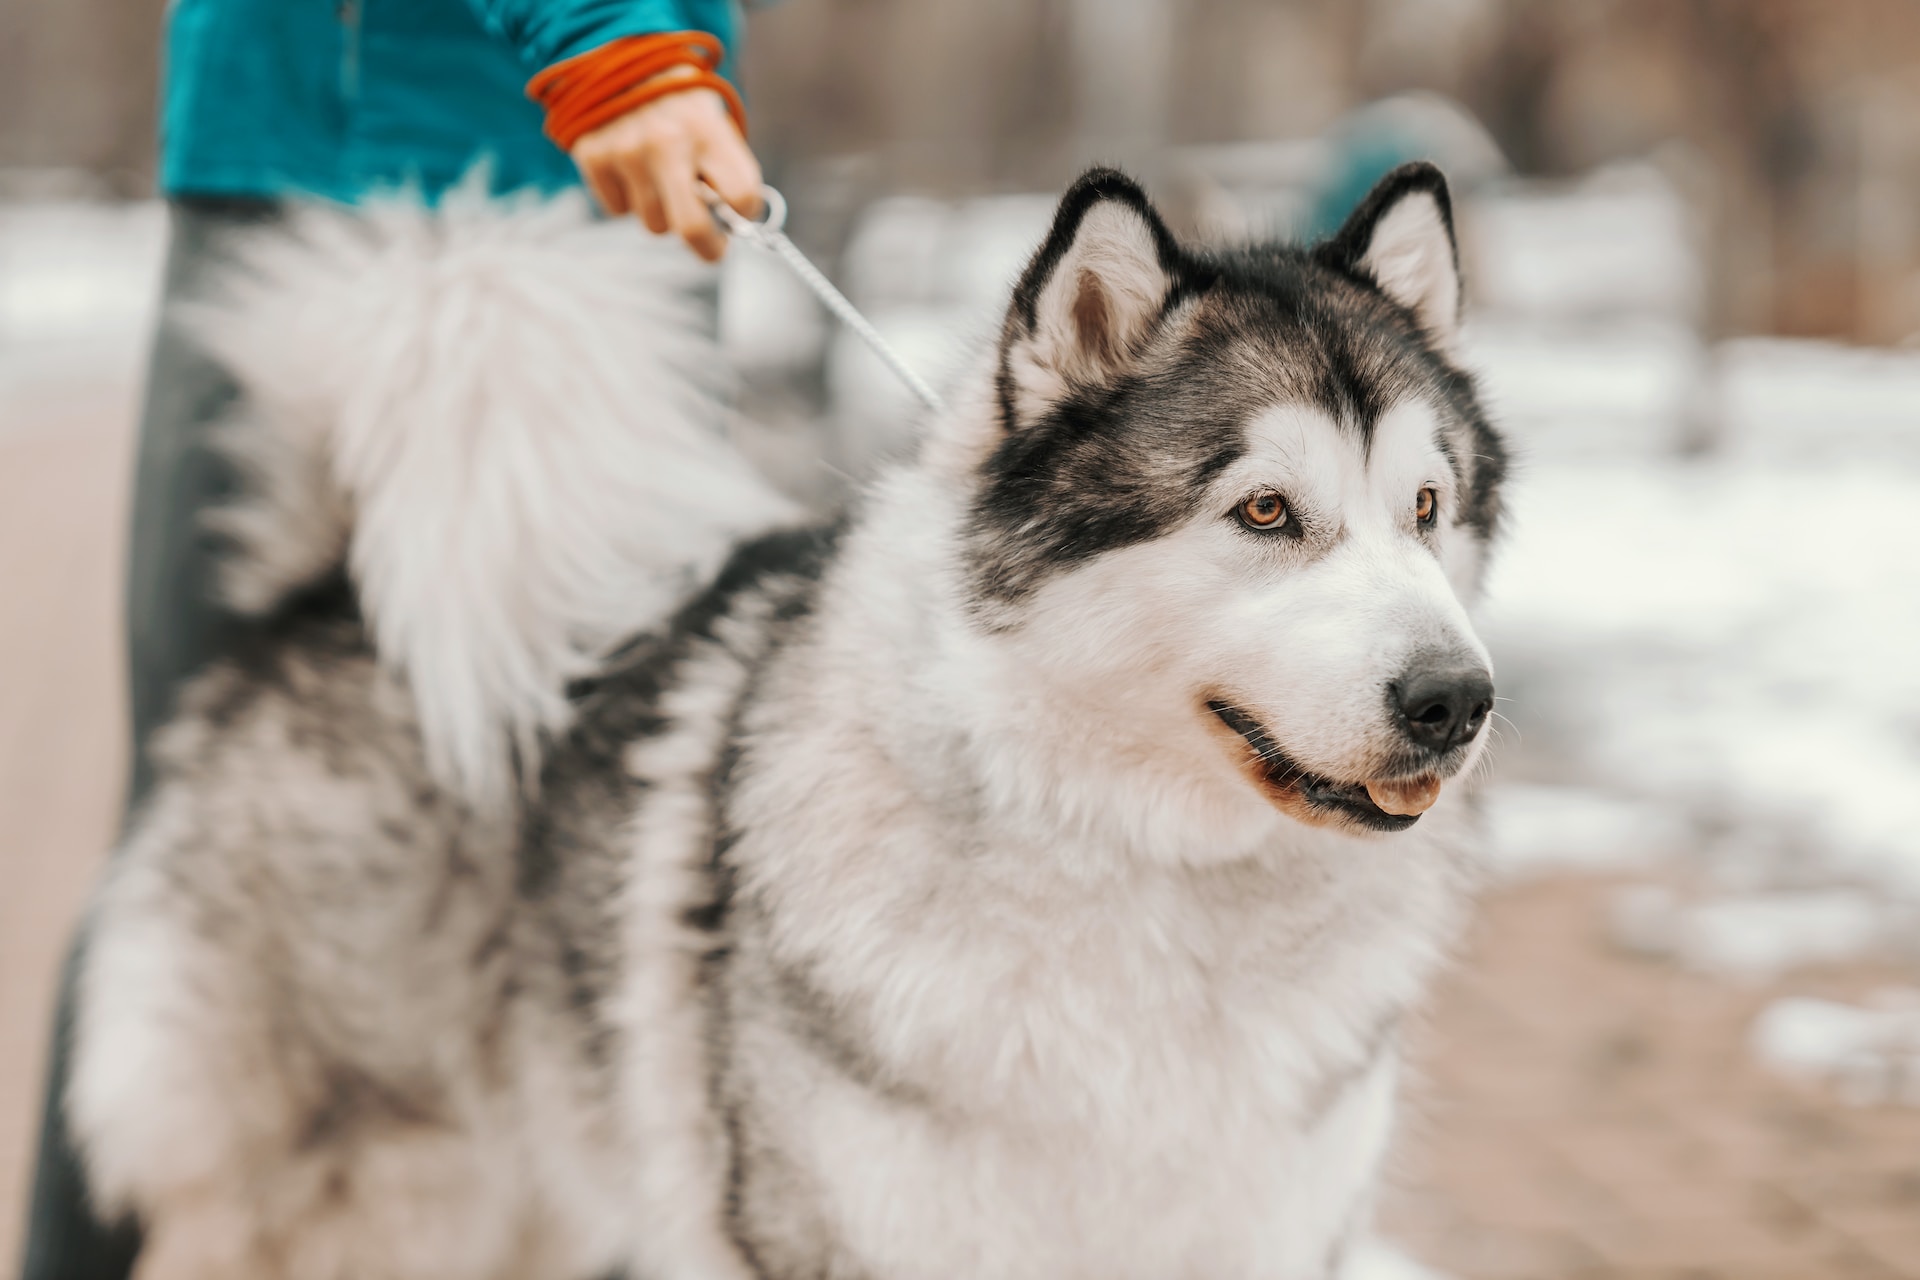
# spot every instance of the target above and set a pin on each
(1091, 296)
(1401, 238)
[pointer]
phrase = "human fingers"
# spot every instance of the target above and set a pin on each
(728, 164)
(646, 203)
(670, 164)
(604, 180)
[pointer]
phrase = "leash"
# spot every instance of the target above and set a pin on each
(766, 231)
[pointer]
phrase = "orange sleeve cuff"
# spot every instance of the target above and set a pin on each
(601, 85)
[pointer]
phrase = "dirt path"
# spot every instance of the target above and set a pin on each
(64, 459)
(1585, 1113)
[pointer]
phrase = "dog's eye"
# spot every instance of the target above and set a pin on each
(1426, 506)
(1264, 510)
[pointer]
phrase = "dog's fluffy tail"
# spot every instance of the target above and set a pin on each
(503, 417)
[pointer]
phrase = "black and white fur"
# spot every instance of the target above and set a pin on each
(981, 886)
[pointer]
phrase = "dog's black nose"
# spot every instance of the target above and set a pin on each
(1442, 708)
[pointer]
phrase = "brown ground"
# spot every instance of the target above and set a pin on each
(1589, 1114)
(1579, 1113)
(64, 460)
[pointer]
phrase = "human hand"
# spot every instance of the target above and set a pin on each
(650, 162)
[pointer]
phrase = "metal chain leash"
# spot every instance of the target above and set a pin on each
(767, 233)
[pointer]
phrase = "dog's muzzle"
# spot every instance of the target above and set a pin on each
(1440, 706)
(1309, 794)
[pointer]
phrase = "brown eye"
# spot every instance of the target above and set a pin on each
(1426, 506)
(1264, 510)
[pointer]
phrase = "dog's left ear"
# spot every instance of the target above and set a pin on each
(1401, 238)
(1090, 298)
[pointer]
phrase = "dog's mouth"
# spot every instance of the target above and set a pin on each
(1383, 804)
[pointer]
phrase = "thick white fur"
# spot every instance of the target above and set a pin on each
(515, 409)
(1157, 1014)
(678, 1189)
(1411, 258)
(1153, 1015)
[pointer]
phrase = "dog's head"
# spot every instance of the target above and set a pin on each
(1232, 503)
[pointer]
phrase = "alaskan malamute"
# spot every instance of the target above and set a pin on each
(592, 870)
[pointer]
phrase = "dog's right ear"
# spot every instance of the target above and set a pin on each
(1401, 238)
(1089, 299)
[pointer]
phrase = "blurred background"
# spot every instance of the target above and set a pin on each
(1685, 1036)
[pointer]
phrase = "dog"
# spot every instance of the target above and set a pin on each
(592, 867)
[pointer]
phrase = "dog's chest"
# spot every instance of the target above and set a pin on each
(915, 1194)
(1006, 992)
(1158, 1075)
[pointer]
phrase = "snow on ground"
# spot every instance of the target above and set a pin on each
(1705, 608)
(78, 270)
(1704, 621)
(1546, 828)
(1729, 636)
(1869, 1053)
(1374, 1259)
(1712, 658)
(1757, 937)
(78, 283)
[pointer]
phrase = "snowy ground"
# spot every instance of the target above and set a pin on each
(1706, 604)
(1730, 639)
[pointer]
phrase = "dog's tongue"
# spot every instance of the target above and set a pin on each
(1406, 798)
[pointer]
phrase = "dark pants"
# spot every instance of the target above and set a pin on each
(174, 627)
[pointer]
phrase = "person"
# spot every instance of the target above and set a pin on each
(271, 100)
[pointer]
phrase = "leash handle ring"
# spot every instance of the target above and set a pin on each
(773, 214)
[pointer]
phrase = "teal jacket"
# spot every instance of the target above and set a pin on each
(337, 98)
